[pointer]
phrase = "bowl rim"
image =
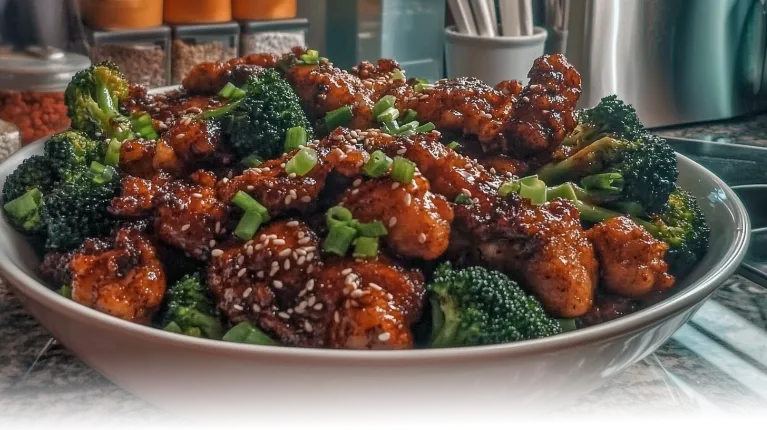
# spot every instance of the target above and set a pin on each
(692, 295)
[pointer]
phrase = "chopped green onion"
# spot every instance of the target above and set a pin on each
(567, 324)
(227, 91)
(248, 225)
(311, 57)
(454, 145)
(238, 94)
(402, 170)
(372, 229)
(303, 162)
(294, 138)
(390, 127)
(113, 153)
(386, 102)
(337, 215)
(142, 120)
(247, 203)
(365, 247)
(605, 182)
(246, 332)
(173, 328)
(101, 173)
(339, 239)
(399, 75)
(377, 165)
(339, 117)
(463, 199)
(425, 128)
(66, 291)
(410, 115)
(218, 112)
(529, 187)
(406, 129)
(421, 81)
(252, 160)
(419, 88)
(388, 115)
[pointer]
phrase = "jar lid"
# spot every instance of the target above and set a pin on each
(39, 69)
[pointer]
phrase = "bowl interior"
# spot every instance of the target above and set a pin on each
(729, 239)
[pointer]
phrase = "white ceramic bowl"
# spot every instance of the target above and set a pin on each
(192, 375)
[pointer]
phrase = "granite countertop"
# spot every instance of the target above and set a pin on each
(712, 363)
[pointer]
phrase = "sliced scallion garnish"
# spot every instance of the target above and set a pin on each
(402, 170)
(377, 165)
(303, 162)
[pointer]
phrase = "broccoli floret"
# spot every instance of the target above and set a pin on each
(93, 98)
(636, 176)
(478, 306)
(611, 117)
(681, 224)
(76, 209)
(257, 123)
(34, 172)
(190, 309)
(71, 150)
(24, 212)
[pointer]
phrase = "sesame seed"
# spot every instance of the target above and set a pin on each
(216, 252)
(249, 251)
(346, 271)
(282, 165)
(374, 286)
(285, 252)
(492, 170)
(283, 315)
(291, 175)
(180, 136)
(290, 311)
(212, 243)
(309, 269)
(301, 293)
(250, 187)
(240, 260)
(351, 278)
(300, 310)
(275, 264)
(242, 272)
(300, 251)
(185, 227)
(310, 284)
(288, 199)
(301, 260)
(306, 199)
(256, 307)
(218, 226)
(308, 326)
(392, 221)
(304, 240)
(198, 195)
(292, 224)
(278, 242)
(395, 185)
(274, 270)
(260, 274)
(318, 307)
(259, 246)
(357, 182)
(383, 337)
(401, 151)
(311, 300)
(357, 293)
(421, 238)
(237, 307)
(277, 284)
(355, 191)
(466, 192)
(467, 166)
(338, 137)
(408, 199)
(336, 317)
(247, 292)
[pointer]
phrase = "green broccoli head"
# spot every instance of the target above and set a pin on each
(257, 123)
(71, 150)
(24, 212)
(683, 227)
(190, 309)
(34, 172)
(478, 306)
(77, 209)
(611, 117)
(93, 98)
(635, 176)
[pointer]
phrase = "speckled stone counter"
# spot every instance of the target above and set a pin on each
(717, 361)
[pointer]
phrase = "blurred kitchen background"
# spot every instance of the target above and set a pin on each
(680, 61)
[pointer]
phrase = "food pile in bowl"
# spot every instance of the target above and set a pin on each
(278, 200)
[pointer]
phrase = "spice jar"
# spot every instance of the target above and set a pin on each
(32, 85)
(275, 37)
(195, 44)
(10, 139)
(142, 55)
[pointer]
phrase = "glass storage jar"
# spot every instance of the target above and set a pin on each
(195, 44)
(276, 37)
(10, 139)
(32, 84)
(143, 55)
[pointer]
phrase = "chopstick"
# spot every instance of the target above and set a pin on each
(462, 15)
(526, 16)
(483, 18)
(493, 15)
(510, 22)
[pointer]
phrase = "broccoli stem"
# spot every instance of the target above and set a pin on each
(105, 101)
(445, 325)
(610, 182)
(582, 162)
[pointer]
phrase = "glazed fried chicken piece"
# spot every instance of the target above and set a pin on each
(190, 144)
(136, 197)
(170, 106)
(373, 303)
(190, 217)
(122, 278)
(543, 244)
(137, 157)
(631, 259)
(545, 111)
(417, 220)
(269, 281)
(210, 77)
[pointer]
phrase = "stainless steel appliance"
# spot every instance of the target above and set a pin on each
(676, 61)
